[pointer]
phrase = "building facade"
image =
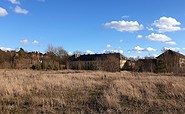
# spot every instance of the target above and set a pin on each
(171, 62)
(168, 62)
(108, 62)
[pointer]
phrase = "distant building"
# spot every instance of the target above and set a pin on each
(168, 62)
(108, 62)
(141, 65)
(146, 65)
(171, 61)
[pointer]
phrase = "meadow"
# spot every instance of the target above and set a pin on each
(90, 92)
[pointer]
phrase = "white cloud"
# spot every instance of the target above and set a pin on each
(109, 46)
(20, 10)
(139, 49)
(89, 52)
(167, 24)
(172, 48)
(125, 26)
(3, 12)
(24, 41)
(171, 43)
(35, 42)
(158, 37)
(155, 55)
(70, 53)
(14, 1)
(150, 49)
(139, 36)
(6, 49)
(113, 51)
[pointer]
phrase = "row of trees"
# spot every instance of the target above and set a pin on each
(55, 58)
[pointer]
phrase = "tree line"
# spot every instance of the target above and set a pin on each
(55, 58)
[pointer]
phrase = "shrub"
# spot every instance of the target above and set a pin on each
(161, 66)
(36, 67)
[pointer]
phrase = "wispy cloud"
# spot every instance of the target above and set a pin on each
(20, 10)
(171, 43)
(3, 12)
(24, 41)
(113, 51)
(150, 28)
(109, 46)
(167, 24)
(14, 1)
(125, 16)
(124, 26)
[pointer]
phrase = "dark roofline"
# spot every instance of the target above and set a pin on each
(172, 52)
(91, 57)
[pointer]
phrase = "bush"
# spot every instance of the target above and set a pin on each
(56, 66)
(161, 67)
(36, 67)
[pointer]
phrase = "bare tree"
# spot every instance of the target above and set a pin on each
(61, 55)
(58, 51)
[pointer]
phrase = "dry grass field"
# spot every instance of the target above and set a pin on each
(73, 92)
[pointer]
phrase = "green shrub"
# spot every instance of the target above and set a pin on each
(161, 66)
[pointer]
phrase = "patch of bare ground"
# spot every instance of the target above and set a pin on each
(68, 91)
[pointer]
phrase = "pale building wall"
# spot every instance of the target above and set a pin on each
(122, 63)
(182, 62)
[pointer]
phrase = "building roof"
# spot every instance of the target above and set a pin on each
(94, 57)
(170, 52)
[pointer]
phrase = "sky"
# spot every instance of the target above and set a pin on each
(131, 27)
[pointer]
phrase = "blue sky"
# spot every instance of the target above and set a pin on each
(132, 27)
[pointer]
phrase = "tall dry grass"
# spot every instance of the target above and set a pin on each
(51, 92)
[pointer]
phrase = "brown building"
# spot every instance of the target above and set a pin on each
(141, 65)
(168, 62)
(171, 62)
(108, 62)
(146, 65)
